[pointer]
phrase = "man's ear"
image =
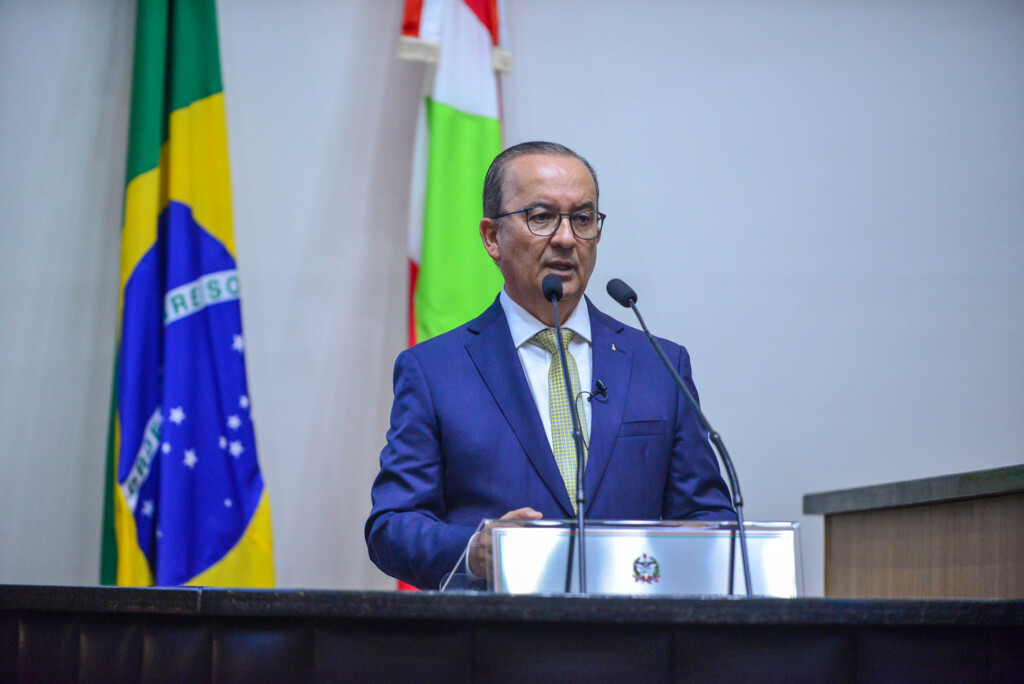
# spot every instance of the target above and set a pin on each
(489, 235)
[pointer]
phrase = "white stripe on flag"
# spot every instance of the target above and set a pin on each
(465, 78)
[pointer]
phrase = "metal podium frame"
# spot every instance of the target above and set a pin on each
(639, 558)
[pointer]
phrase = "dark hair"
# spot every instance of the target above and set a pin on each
(494, 181)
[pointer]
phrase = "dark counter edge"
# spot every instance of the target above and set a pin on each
(994, 482)
(391, 605)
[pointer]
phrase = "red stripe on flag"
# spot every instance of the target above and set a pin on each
(414, 272)
(487, 12)
(411, 20)
(402, 586)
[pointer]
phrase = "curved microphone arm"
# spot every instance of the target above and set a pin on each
(626, 296)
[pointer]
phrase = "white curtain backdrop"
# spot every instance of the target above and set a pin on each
(823, 201)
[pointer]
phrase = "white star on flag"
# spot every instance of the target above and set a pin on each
(234, 422)
(227, 503)
(222, 442)
(190, 458)
(159, 533)
(237, 343)
(243, 401)
(236, 448)
(177, 415)
(165, 447)
(147, 508)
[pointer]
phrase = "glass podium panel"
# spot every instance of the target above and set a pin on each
(645, 558)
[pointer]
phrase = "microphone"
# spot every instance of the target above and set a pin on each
(621, 292)
(626, 296)
(552, 288)
(602, 391)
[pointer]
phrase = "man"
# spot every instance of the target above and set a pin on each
(472, 435)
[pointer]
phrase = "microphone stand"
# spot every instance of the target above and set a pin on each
(628, 298)
(577, 435)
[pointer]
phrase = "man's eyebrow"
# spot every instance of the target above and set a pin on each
(582, 206)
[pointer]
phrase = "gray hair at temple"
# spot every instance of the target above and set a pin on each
(494, 181)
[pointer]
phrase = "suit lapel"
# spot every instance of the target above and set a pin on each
(612, 364)
(498, 364)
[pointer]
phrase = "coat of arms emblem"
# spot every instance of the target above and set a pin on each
(646, 570)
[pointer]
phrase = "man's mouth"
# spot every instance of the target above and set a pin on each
(561, 268)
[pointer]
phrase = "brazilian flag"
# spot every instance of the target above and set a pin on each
(185, 501)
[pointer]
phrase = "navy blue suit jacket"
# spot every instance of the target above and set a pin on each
(466, 443)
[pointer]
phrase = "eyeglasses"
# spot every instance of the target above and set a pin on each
(586, 224)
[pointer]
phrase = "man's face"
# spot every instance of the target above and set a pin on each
(560, 184)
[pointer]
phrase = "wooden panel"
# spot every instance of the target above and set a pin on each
(959, 549)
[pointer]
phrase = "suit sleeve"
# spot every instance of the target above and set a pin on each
(406, 533)
(694, 489)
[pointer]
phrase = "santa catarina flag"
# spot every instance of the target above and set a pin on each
(451, 278)
(186, 501)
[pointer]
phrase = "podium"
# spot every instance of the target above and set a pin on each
(197, 634)
(642, 558)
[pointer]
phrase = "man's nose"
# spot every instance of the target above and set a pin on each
(563, 234)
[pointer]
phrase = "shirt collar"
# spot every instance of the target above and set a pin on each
(523, 325)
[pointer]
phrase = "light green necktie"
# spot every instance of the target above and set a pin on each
(561, 419)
